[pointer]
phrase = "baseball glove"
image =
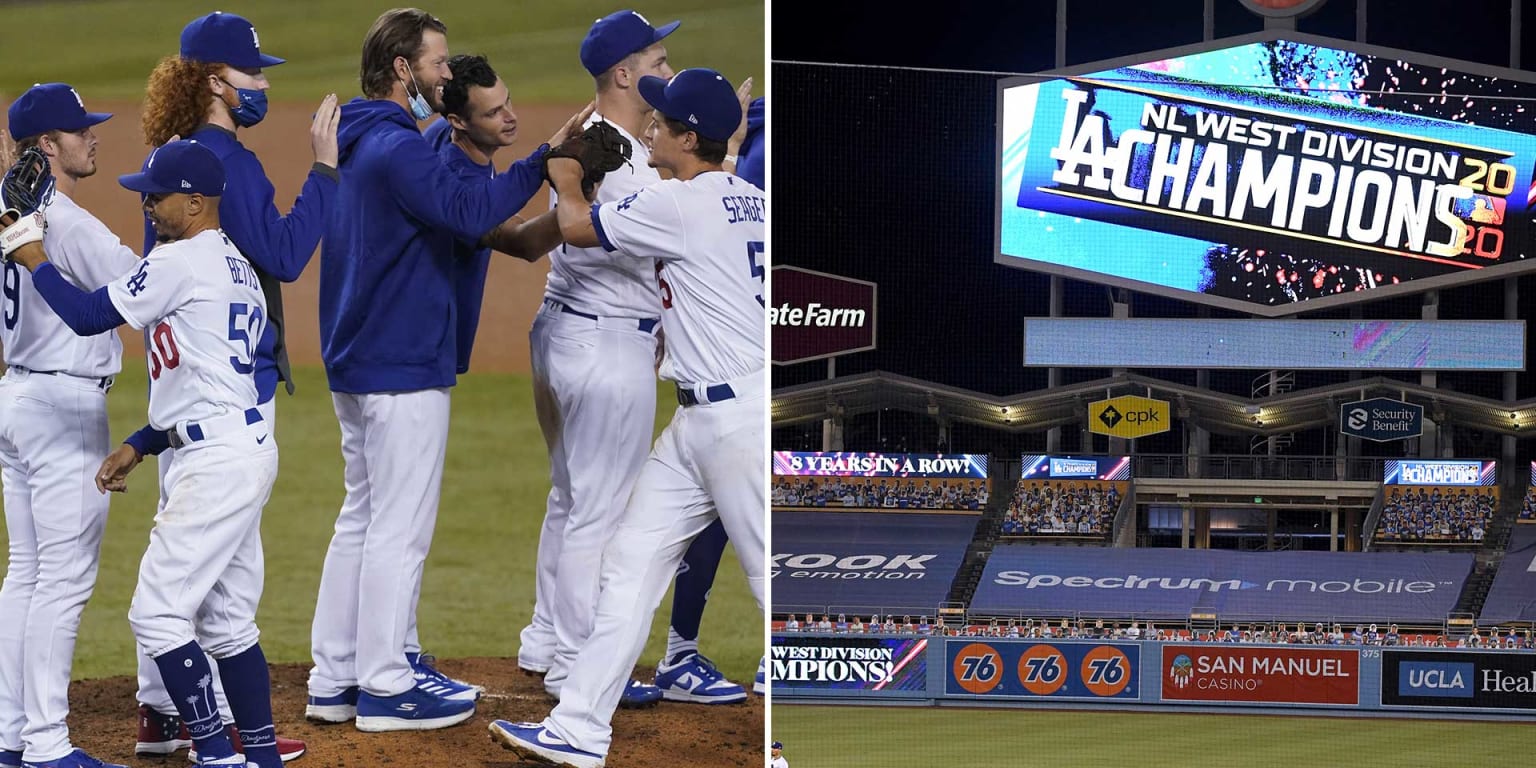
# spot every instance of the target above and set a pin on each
(27, 187)
(599, 149)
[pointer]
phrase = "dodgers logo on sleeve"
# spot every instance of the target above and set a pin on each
(136, 283)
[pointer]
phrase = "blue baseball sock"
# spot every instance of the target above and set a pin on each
(694, 578)
(189, 681)
(248, 687)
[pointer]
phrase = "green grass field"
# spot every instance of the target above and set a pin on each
(839, 736)
(106, 48)
(478, 589)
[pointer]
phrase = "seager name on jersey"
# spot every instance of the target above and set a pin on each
(743, 208)
(241, 272)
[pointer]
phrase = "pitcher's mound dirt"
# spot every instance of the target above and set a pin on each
(102, 721)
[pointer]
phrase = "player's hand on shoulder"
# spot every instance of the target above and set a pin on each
(572, 126)
(743, 97)
(322, 132)
(113, 475)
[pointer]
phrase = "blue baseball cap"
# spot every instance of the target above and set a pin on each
(700, 97)
(224, 38)
(778, 745)
(180, 167)
(50, 107)
(617, 35)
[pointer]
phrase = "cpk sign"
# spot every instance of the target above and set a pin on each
(816, 315)
(1261, 675)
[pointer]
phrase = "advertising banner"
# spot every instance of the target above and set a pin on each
(1432, 472)
(817, 315)
(866, 561)
(1042, 467)
(1481, 679)
(1275, 176)
(1171, 583)
(1261, 674)
(1381, 419)
(1062, 670)
(872, 664)
(1128, 416)
(1512, 597)
(853, 464)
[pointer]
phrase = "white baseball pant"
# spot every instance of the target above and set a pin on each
(394, 445)
(595, 394)
(709, 462)
(53, 435)
(151, 686)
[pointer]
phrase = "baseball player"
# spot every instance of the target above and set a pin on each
(778, 756)
(387, 320)
(593, 348)
(202, 310)
(705, 227)
(53, 432)
(220, 56)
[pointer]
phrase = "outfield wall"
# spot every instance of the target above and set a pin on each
(1345, 680)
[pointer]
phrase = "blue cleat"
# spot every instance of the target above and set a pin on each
(760, 683)
(75, 759)
(695, 679)
(333, 709)
(422, 666)
(415, 710)
(533, 741)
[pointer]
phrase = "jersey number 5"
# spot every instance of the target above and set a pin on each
(754, 260)
(245, 327)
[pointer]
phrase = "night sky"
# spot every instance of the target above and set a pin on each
(888, 176)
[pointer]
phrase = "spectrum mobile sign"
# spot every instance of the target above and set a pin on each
(1271, 177)
(1261, 675)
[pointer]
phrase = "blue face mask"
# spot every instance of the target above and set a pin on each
(420, 109)
(252, 107)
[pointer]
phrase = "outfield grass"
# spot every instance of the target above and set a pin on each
(106, 48)
(478, 588)
(821, 736)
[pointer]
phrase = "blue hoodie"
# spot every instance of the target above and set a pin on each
(387, 316)
(753, 151)
(470, 261)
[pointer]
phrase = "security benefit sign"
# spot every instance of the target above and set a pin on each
(1128, 416)
(1272, 177)
(1246, 674)
(815, 315)
(1031, 670)
(1381, 419)
(1469, 679)
(881, 664)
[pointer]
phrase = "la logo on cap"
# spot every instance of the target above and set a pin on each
(78, 100)
(256, 41)
(642, 18)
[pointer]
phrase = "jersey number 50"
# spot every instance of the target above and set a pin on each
(245, 325)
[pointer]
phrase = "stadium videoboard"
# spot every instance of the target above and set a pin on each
(1036, 466)
(1270, 176)
(1439, 472)
(855, 464)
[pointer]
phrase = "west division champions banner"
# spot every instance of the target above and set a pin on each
(1269, 175)
(866, 561)
(1041, 467)
(1439, 472)
(1164, 584)
(853, 464)
(820, 662)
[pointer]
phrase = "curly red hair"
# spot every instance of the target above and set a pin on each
(177, 98)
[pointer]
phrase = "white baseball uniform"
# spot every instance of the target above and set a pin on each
(202, 310)
(780, 762)
(707, 235)
(594, 381)
(53, 434)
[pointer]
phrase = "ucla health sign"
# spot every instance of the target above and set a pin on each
(1282, 174)
(1463, 679)
(1164, 584)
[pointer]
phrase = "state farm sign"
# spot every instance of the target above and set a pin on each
(815, 315)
